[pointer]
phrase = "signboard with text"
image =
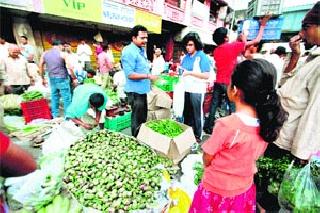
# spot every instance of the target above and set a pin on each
(117, 14)
(88, 10)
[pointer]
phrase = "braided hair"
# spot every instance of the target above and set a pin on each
(257, 79)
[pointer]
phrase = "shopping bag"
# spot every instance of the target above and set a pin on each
(298, 191)
(178, 99)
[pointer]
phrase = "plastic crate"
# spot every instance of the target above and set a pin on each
(32, 110)
(118, 123)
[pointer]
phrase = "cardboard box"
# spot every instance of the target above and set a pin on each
(158, 99)
(158, 114)
(173, 148)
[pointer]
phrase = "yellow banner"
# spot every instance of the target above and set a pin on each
(87, 10)
(151, 21)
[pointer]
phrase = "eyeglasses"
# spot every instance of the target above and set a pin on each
(305, 26)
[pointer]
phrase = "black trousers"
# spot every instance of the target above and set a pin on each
(139, 107)
(219, 93)
(193, 112)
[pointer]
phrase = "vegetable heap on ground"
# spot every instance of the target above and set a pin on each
(271, 171)
(32, 96)
(106, 170)
(165, 127)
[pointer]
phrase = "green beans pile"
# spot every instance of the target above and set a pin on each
(32, 96)
(165, 127)
(112, 172)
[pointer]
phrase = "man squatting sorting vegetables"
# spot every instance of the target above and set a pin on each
(91, 99)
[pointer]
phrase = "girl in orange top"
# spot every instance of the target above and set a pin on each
(238, 140)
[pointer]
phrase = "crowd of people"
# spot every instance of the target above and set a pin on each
(273, 105)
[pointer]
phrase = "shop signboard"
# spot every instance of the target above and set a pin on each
(151, 21)
(174, 14)
(118, 14)
(28, 5)
(88, 10)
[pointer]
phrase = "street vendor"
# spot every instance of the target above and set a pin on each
(90, 99)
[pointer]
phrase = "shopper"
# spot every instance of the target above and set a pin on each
(158, 62)
(137, 71)
(299, 95)
(27, 50)
(104, 62)
(225, 56)
(196, 69)
(238, 140)
(86, 97)
(55, 62)
(84, 52)
(277, 59)
(17, 75)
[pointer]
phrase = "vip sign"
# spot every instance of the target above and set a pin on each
(77, 5)
(87, 10)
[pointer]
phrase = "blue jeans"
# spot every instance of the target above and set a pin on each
(219, 93)
(59, 87)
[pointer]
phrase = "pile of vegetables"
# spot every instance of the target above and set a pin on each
(113, 96)
(61, 204)
(112, 172)
(165, 127)
(32, 96)
(198, 168)
(271, 171)
(11, 104)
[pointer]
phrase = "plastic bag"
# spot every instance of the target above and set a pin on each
(62, 137)
(178, 99)
(298, 190)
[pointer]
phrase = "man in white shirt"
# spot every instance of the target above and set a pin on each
(277, 59)
(84, 52)
(4, 52)
(27, 50)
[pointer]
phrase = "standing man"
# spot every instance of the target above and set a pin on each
(84, 52)
(225, 56)
(299, 96)
(55, 61)
(4, 52)
(137, 71)
(17, 76)
(27, 50)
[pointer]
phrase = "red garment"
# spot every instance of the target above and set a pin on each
(235, 147)
(225, 57)
(4, 143)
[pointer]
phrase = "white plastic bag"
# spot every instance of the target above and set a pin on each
(62, 137)
(178, 99)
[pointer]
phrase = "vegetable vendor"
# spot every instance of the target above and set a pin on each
(90, 99)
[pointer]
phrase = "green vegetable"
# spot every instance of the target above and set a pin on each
(198, 167)
(32, 96)
(271, 171)
(113, 96)
(165, 127)
(106, 170)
